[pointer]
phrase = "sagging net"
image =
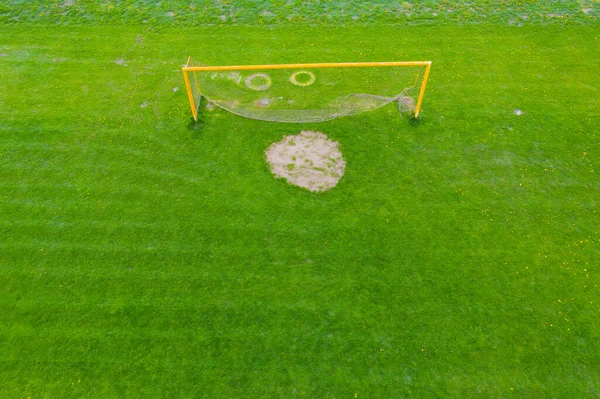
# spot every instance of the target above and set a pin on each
(309, 94)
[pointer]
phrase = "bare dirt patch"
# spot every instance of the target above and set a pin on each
(309, 160)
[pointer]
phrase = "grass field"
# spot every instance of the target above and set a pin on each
(142, 255)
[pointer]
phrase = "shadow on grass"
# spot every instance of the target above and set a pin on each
(415, 120)
(195, 127)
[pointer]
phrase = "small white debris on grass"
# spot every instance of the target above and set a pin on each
(309, 160)
(120, 61)
(175, 89)
(518, 112)
(144, 104)
(170, 14)
(263, 102)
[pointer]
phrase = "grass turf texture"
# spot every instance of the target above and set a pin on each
(142, 255)
(292, 12)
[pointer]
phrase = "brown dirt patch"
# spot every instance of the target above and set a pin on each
(308, 160)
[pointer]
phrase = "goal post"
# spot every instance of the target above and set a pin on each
(307, 92)
(191, 85)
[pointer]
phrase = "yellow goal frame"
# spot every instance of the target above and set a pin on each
(191, 83)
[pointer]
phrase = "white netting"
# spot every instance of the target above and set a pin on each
(310, 94)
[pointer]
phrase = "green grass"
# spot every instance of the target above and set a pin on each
(293, 12)
(142, 255)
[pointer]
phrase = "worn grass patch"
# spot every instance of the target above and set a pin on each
(308, 160)
(298, 12)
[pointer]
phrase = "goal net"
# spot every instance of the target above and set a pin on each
(307, 92)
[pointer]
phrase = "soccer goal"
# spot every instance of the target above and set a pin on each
(307, 92)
